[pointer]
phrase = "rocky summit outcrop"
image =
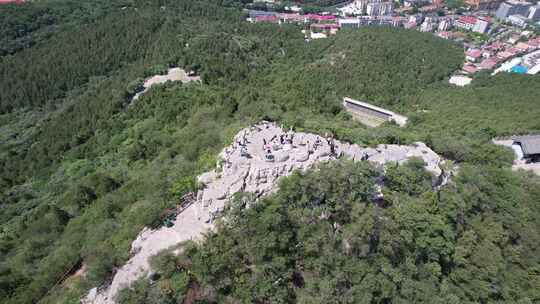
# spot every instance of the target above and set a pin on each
(258, 156)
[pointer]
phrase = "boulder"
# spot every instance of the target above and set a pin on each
(207, 177)
(302, 156)
(281, 157)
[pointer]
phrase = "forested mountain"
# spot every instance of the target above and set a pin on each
(83, 170)
(27, 24)
(460, 245)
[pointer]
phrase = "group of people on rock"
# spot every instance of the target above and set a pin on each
(242, 143)
(319, 143)
(277, 142)
(283, 141)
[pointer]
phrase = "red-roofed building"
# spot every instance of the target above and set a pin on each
(504, 55)
(291, 18)
(522, 46)
(465, 22)
(319, 18)
(473, 54)
(444, 34)
(514, 51)
(495, 46)
(270, 19)
(487, 53)
(11, 1)
(482, 25)
(470, 69)
(534, 43)
(410, 25)
(488, 64)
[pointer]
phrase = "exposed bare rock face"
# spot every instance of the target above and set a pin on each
(173, 74)
(258, 157)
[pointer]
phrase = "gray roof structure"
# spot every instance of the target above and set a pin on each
(530, 144)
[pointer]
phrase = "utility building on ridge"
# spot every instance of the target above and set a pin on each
(530, 145)
(371, 115)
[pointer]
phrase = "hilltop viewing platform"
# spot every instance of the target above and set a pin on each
(257, 158)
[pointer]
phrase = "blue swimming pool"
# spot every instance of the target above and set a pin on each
(519, 69)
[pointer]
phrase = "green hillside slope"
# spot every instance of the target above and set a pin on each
(82, 170)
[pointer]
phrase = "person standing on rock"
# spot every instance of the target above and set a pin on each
(309, 147)
(244, 138)
(318, 142)
(302, 141)
(267, 147)
(290, 135)
(364, 156)
(244, 152)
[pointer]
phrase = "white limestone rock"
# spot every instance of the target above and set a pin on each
(250, 174)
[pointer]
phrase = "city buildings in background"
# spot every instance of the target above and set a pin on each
(509, 8)
(483, 4)
(368, 7)
(496, 35)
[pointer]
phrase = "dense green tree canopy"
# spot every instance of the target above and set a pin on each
(321, 239)
(83, 170)
(27, 24)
